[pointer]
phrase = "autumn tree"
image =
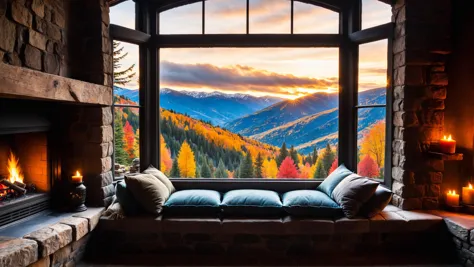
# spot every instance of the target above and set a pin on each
(186, 162)
(288, 169)
(120, 154)
(175, 169)
(327, 158)
(122, 76)
(282, 155)
(136, 143)
(368, 167)
(246, 167)
(315, 156)
(333, 166)
(259, 166)
(221, 171)
(205, 169)
(129, 140)
(166, 163)
(373, 143)
(305, 171)
(269, 168)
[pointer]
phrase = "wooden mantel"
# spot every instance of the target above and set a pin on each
(17, 82)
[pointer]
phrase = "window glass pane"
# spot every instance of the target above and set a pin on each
(314, 19)
(127, 148)
(182, 20)
(373, 73)
(371, 142)
(270, 16)
(126, 76)
(123, 14)
(375, 13)
(226, 16)
(223, 107)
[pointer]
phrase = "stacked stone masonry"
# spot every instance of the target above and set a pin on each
(60, 244)
(420, 50)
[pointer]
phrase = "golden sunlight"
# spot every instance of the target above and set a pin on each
(13, 166)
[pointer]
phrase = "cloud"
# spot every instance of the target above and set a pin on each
(375, 71)
(238, 78)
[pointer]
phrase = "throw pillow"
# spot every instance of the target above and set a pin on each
(162, 177)
(310, 203)
(251, 202)
(352, 192)
(193, 202)
(128, 202)
(150, 192)
(377, 202)
(328, 185)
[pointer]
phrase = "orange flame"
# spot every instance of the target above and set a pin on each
(448, 139)
(452, 192)
(78, 173)
(14, 169)
(470, 186)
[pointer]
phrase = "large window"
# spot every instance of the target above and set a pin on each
(253, 89)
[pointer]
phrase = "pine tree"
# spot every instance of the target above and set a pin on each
(258, 166)
(186, 162)
(221, 171)
(205, 170)
(246, 167)
(175, 169)
(120, 154)
(283, 154)
(294, 155)
(315, 156)
(288, 169)
(124, 76)
(320, 172)
(327, 158)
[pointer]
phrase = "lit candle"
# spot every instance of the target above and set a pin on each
(447, 145)
(452, 199)
(468, 195)
(77, 178)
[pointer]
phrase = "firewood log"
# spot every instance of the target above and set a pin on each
(16, 188)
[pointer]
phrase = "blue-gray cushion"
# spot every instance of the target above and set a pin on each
(193, 202)
(310, 203)
(251, 202)
(328, 185)
(128, 202)
(377, 202)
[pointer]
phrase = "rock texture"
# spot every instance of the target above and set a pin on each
(17, 251)
(52, 238)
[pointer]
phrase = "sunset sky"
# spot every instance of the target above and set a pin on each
(284, 72)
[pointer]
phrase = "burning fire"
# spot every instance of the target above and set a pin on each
(470, 186)
(450, 138)
(13, 166)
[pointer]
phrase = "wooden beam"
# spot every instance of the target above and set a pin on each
(245, 40)
(120, 33)
(20, 82)
(380, 32)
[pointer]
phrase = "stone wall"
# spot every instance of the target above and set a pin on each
(33, 35)
(421, 48)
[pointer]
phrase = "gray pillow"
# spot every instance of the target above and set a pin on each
(377, 202)
(352, 192)
(148, 191)
(162, 177)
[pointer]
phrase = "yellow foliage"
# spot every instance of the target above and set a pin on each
(373, 143)
(186, 162)
(269, 168)
(165, 157)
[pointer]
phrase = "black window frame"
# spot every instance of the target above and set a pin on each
(350, 36)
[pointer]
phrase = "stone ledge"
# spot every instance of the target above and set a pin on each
(80, 227)
(17, 251)
(51, 239)
(22, 82)
(92, 215)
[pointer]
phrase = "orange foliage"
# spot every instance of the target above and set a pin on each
(334, 166)
(165, 156)
(129, 140)
(306, 171)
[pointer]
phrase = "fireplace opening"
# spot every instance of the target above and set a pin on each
(25, 167)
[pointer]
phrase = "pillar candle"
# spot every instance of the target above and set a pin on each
(468, 195)
(447, 145)
(452, 199)
(77, 178)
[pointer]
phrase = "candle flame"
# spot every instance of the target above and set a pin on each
(470, 186)
(78, 173)
(13, 166)
(452, 192)
(450, 138)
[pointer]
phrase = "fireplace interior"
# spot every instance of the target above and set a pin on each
(25, 165)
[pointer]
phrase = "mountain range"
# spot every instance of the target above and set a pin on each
(307, 122)
(215, 107)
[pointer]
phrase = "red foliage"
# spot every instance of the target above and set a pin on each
(288, 169)
(129, 138)
(368, 167)
(334, 166)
